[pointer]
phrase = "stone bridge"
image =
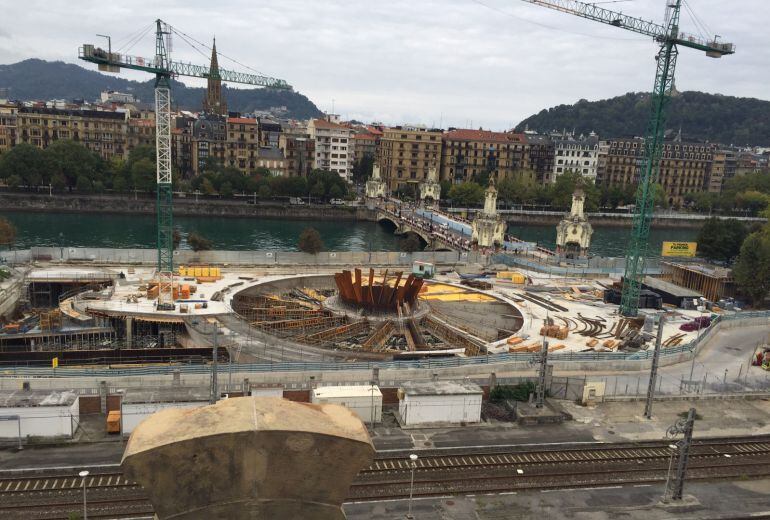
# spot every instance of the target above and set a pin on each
(436, 238)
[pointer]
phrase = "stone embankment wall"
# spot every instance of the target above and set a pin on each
(188, 206)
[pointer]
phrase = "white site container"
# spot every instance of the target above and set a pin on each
(41, 413)
(138, 404)
(266, 391)
(439, 402)
(364, 400)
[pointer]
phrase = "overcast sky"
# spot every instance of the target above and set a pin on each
(473, 63)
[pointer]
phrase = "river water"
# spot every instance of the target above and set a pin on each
(138, 231)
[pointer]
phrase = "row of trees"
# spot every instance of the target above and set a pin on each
(523, 189)
(227, 180)
(68, 165)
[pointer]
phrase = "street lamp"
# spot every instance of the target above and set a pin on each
(83, 474)
(413, 460)
(673, 448)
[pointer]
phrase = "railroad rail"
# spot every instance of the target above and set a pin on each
(437, 473)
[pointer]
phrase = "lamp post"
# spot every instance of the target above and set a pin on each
(83, 474)
(413, 458)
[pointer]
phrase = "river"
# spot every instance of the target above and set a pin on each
(138, 231)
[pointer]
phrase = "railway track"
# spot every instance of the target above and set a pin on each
(437, 473)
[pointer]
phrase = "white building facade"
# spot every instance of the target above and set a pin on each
(334, 147)
(36, 413)
(363, 400)
(580, 155)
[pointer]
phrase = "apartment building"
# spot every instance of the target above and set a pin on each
(539, 156)
(364, 144)
(333, 146)
(407, 153)
(684, 167)
(209, 141)
(621, 162)
(8, 113)
(141, 132)
(299, 153)
(242, 144)
(579, 155)
(102, 132)
(467, 154)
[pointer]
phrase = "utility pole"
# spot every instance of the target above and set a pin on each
(654, 370)
(214, 387)
(675, 487)
(541, 376)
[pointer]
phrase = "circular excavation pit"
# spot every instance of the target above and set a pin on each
(375, 315)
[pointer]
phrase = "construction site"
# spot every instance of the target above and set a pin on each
(112, 315)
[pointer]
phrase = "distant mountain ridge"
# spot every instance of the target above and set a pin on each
(35, 79)
(702, 117)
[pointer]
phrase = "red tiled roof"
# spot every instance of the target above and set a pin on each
(242, 120)
(369, 137)
(464, 134)
(374, 130)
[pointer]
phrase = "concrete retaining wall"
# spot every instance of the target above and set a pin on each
(262, 258)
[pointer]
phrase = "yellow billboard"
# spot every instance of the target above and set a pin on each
(683, 249)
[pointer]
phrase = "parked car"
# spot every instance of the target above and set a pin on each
(296, 201)
(337, 202)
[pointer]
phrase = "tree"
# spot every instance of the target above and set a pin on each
(752, 269)
(264, 192)
(362, 168)
(336, 192)
(467, 194)
(310, 241)
(143, 174)
(7, 232)
(24, 164)
(410, 243)
(720, 240)
(74, 161)
(318, 190)
(226, 190)
(198, 242)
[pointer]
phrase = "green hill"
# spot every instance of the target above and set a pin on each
(44, 80)
(704, 117)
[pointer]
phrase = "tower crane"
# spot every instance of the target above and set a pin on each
(164, 69)
(669, 38)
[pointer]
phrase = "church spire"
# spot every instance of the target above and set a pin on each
(213, 103)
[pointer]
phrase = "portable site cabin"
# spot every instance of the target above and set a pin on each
(363, 400)
(439, 402)
(38, 413)
(423, 269)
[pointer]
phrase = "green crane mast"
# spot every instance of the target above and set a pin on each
(668, 37)
(164, 69)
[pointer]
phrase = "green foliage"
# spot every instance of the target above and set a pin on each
(74, 162)
(143, 174)
(520, 392)
(24, 164)
(198, 242)
(7, 232)
(720, 240)
(705, 117)
(467, 194)
(310, 241)
(410, 243)
(362, 168)
(752, 269)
